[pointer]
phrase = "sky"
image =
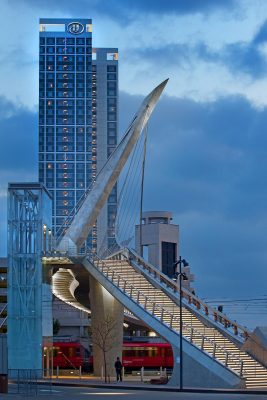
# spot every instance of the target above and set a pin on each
(207, 146)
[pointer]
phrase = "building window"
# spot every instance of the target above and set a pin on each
(80, 41)
(111, 68)
(50, 50)
(111, 76)
(50, 40)
(168, 257)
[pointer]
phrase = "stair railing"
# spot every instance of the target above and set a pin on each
(190, 333)
(193, 300)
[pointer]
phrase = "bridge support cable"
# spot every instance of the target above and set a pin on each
(142, 190)
(130, 197)
(128, 202)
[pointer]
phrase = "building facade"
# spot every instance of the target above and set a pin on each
(78, 95)
(158, 240)
(3, 295)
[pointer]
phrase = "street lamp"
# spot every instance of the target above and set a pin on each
(44, 237)
(182, 276)
(49, 240)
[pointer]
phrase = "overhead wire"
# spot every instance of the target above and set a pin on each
(242, 306)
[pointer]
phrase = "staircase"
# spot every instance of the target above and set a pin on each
(150, 292)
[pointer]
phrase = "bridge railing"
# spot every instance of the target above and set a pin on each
(190, 333)
(193, 301)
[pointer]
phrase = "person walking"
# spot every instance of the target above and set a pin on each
(118, 368)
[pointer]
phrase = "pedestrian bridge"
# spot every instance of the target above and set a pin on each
(212, 343)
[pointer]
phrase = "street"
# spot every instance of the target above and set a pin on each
(82, 393)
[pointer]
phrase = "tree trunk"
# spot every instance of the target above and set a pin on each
(105, 366)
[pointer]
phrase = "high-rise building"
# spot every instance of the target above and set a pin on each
(78, 95)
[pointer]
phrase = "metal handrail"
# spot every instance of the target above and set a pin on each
(3, 322)
(3, 309)
(100, 264)
(4, 318)
(218, 317)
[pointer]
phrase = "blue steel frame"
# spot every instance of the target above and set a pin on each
(29, 230)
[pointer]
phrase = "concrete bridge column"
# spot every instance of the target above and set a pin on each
(105, 307)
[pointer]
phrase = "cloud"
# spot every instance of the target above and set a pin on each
(19, 133)
(209, 147)
(125, 11)
(261, 35)
(240, 58)
(246, 59)
(179, 54)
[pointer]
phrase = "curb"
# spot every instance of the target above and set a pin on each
(155, 388)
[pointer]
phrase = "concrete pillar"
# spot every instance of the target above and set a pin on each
(103, 306)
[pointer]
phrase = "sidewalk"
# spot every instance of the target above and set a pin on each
(134, 383)
(130, 383)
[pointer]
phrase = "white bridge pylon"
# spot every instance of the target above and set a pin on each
(86, 216)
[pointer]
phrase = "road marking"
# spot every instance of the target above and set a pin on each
(107, 393)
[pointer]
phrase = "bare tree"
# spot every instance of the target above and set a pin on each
(103, 336)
